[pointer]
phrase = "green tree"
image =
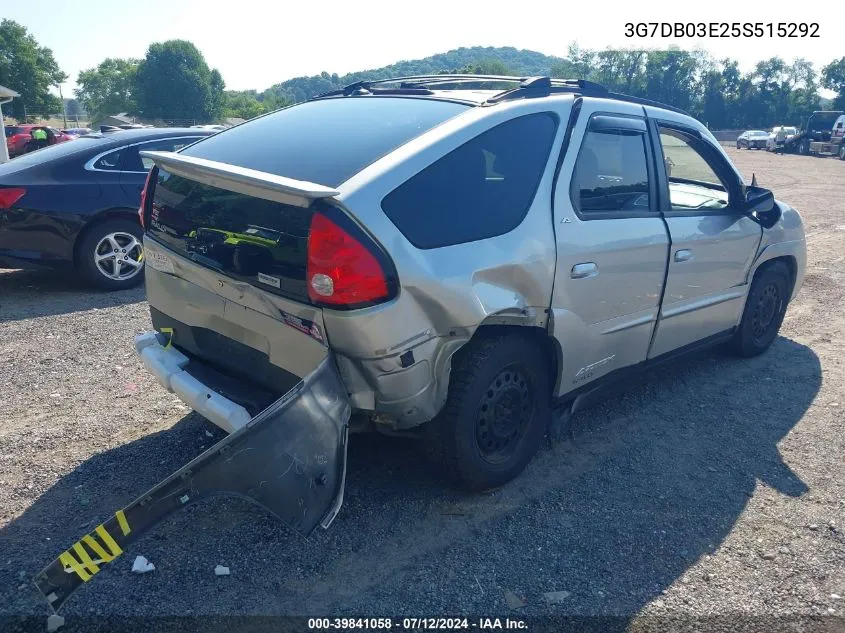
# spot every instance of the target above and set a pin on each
(73, 107)
(243, 104)
(833, 78)
(174, 82)
(29, 69)
(109, 88)
(803, 97)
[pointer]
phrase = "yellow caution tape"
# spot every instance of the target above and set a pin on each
(84, 566)
(108, 540)
(85, 558)
(70, 563)
(122, 522)
(91, 542)
(168, 330)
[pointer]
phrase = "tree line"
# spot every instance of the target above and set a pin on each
(173, 81)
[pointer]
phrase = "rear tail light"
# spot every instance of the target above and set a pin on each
(142, 210)
(345, 269)
(10, 196)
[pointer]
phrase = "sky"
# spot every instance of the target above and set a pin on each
(256, 44)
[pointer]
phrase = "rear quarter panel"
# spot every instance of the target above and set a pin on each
(445, 293)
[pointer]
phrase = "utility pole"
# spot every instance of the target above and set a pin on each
(64, 114)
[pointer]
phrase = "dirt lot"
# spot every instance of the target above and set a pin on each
(715, 487)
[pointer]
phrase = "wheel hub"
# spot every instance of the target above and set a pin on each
(119, 256)
(503, 415)
(765, 311)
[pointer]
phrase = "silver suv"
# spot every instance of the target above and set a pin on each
(462, 258)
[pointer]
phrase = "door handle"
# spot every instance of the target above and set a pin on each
(683, 255)
(584, 270)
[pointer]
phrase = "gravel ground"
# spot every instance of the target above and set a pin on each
(712, 488)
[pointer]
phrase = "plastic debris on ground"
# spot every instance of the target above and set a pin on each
(142, 565)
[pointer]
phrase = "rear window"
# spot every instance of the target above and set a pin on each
(12, 130)
(326, 141)
(250, 239)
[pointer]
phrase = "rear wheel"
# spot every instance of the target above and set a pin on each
(764, 310)
(496, 413)
(842, 150)
(111, 256)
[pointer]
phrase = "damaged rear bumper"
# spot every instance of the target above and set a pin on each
(290, 459)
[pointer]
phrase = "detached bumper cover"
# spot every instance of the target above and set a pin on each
(290, 459)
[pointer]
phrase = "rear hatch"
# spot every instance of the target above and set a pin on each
(246, 243)
(226, 274)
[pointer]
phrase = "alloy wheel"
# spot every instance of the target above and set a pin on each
(119, 256)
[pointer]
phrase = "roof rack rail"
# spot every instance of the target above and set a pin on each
(617, 96)
(526, 87)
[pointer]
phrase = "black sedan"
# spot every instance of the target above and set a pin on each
(77, 204)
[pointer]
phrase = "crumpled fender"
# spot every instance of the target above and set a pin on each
(290, 459)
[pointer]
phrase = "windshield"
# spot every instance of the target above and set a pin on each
(13, 129)
(325, 141)
(758, 133)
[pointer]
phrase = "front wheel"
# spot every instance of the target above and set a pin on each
(765, 308)
(842, 151)
(496, 413)
(111, 256)
(804, 148)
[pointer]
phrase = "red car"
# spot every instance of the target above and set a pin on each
(19, 138)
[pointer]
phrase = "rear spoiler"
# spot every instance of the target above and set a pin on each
(250, 182)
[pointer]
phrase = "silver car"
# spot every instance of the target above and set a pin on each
(425, 257)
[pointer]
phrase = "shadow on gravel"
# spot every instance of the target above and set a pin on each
(656, 478)
(27, 294)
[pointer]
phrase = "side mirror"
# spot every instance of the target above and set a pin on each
(760, 206)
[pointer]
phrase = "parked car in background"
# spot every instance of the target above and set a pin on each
(19, 138)
(77, 204)
(78, 131)
(752, 139)
(785, 132)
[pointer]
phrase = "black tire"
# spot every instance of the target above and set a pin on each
(842, 150)
(478, 440)
(804, 148)
(764, 310)
(96, 242)
(738, 146)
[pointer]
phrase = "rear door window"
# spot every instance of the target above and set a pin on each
(611, 173)
(326, 141)
(110, 161)
(482, 189)
(133, 161)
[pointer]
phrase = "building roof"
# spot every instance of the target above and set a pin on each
(7, 93)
